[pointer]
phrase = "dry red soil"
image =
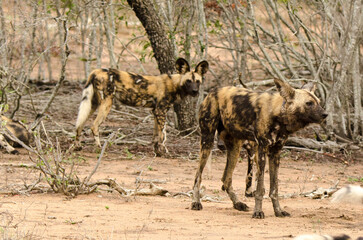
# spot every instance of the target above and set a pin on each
(108, 215)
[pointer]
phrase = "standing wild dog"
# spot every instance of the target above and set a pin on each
(267, 119)
(156, 92)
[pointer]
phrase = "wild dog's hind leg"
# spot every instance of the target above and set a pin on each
(79, 129)
(233, 146)
(274, 162)
(89, 104)
(251, 155)
(260, 188)
(103, 111)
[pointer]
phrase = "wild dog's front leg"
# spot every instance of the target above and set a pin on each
(233, 149)
(274, 162)
(159, 137)
(260, 189)
(251, 149)
(205, 150)
(103, 111)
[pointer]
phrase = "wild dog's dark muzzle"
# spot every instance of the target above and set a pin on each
(195, 92)
(195, 88)
(191, 88)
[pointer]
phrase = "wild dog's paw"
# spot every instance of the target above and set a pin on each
(251, 194)
(240, 206)
(258, 215)
(282, 214)
(197, 206)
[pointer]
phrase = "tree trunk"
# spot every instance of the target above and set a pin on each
(108, 25)
(146, 13)
(164, 55)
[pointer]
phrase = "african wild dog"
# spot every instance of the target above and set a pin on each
(322, 237)
(240, 114)
(17, 130)
(348, 194)
(156, 92)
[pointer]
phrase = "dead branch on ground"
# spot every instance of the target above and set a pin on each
(309, 143)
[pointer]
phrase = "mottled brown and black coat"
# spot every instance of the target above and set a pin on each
(263, 119)
(156, 92)
(17, 130)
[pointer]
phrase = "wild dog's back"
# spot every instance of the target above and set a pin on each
(138, 90)
(243, 112)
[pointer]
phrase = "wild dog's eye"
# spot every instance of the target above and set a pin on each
(198, 82)
(310, 103)
(189, 81)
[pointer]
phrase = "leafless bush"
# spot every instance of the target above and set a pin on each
(316, 41)
(254, 41)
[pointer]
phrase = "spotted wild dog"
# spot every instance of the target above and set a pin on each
(156, 92)
(265, 118)
(17, 130)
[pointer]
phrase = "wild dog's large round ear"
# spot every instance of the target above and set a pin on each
(286, 91)
(202, 68)
(310, 86)
(182, 66)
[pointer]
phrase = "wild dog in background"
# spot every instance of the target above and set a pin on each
(322, 237)
(267, 119)
(348, 194)
(156, 92)
(17, 130)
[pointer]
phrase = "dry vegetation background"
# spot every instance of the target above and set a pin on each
(48, 48)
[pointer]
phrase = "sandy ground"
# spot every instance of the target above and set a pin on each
(108, 215)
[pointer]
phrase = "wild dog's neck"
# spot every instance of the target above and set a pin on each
(176, 85)
(285, 116)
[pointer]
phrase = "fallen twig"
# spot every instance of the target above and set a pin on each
(19, 165)
(320, 193)
(303, 149)
(99, 159)
(152, 191)
(141, 180)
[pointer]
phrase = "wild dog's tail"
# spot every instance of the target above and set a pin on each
(349, 194)
(85, 107)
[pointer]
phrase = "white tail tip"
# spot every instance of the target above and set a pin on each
(86, 106)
